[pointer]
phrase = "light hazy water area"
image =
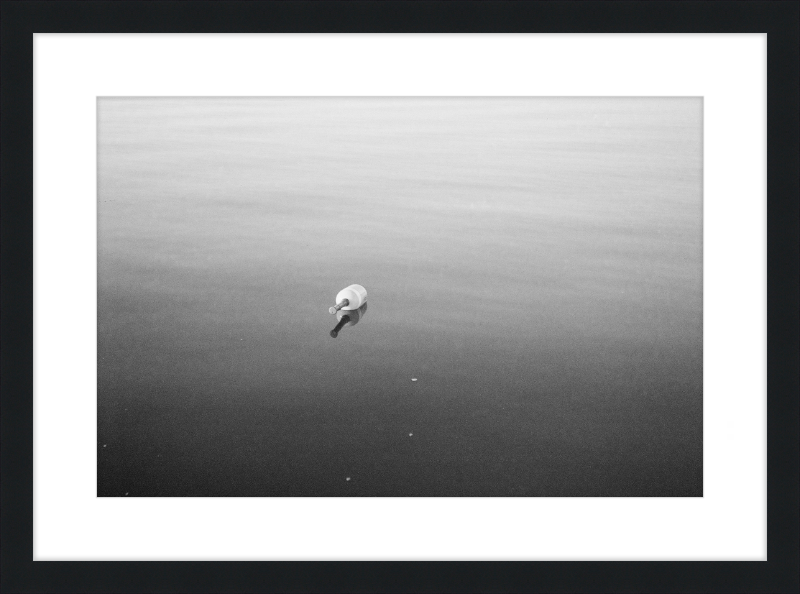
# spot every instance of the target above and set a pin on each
(534, 263)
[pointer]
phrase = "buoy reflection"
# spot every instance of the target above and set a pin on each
(348, 318)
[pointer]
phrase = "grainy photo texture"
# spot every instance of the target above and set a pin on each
(531, 323)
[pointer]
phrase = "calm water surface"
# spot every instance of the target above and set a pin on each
(535, 264)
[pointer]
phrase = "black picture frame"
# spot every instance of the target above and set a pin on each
(781, 22)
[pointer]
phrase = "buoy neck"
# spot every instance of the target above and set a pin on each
(340, 305)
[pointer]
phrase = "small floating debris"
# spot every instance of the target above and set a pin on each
(347, 479)
(126, 493)
(413, 379)
(410, 434)
(349, 298)
(104, 445)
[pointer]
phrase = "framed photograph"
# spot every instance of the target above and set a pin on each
(433, 296)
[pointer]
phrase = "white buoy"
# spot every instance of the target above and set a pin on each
(349, 298)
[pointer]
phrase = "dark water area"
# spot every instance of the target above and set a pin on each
(534, 264)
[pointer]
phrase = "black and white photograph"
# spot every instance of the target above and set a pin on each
(400, 296)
